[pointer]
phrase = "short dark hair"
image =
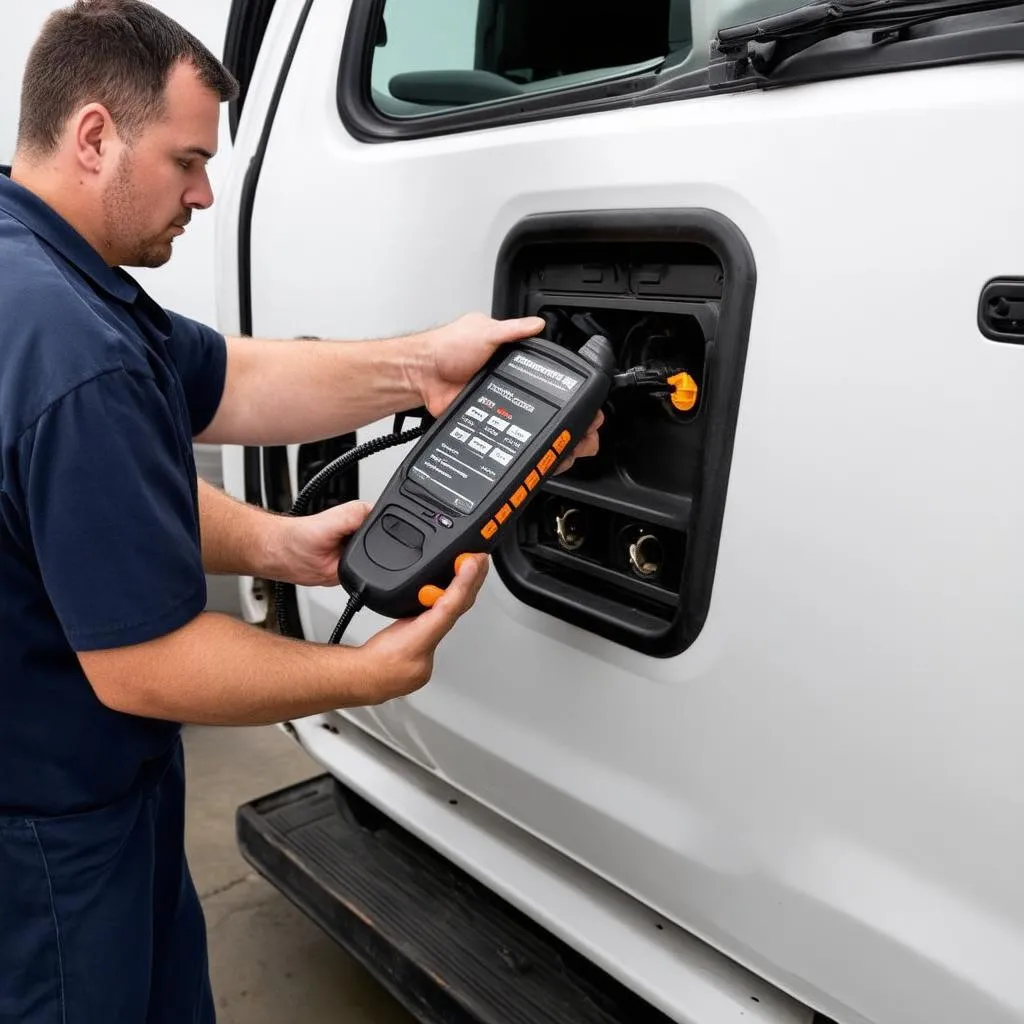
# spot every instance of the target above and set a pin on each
(116, 52)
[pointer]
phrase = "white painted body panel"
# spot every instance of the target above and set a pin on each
(825, 786)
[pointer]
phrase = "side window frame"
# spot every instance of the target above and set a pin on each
(366, 123)
(247, 27)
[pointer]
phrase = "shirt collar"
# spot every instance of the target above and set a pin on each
(27, 208)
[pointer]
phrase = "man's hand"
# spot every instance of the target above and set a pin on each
(459, 349)
(308, 548)
(400, 658)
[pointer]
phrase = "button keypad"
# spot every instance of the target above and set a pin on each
(532, 481)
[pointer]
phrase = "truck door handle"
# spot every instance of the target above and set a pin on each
(1001, 310)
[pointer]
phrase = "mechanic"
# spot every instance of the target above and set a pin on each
(105, 646)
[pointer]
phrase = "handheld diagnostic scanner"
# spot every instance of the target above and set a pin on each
(471, 475)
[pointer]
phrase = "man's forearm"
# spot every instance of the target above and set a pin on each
(291, 392)
(238, 539)
(218, 671)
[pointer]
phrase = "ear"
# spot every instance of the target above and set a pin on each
(92, 132)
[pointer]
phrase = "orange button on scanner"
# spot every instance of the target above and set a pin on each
(461, 560)
(489, 530)
(532, 480)
(562, 441)
(429, 596)
(519, 497)
(503, 513)
(547, 462)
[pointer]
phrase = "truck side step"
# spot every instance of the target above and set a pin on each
(449, 949)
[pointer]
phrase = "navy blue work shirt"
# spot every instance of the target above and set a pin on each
(101, 393)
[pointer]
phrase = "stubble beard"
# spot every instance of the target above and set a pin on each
(122, 219)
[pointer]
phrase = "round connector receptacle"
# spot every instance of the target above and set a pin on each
(570, 529)
(646, 556)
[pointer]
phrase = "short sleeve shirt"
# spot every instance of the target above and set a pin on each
(101, 394)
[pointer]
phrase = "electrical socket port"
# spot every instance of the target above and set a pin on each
(625, 543)
(640, 435)
(613, 553)
(646, 556)
(674, 344)
(653, 554)
(571, 529)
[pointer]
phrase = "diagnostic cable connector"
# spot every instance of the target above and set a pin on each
(677, 385)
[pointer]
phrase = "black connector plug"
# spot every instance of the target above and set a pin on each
(661, 381)
(653, 379)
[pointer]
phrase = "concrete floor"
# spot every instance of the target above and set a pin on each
(269, 963)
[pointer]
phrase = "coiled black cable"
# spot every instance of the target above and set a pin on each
(305, 499)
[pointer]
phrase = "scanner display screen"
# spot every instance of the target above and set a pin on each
(485, 438)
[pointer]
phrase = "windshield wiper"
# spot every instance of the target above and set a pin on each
(760, 47)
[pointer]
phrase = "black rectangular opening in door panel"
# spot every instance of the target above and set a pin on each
(625, 543)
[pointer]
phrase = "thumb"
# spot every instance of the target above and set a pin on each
(516, 329)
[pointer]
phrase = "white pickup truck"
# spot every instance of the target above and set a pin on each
(772, 770)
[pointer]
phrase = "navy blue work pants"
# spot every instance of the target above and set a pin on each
(99, 920)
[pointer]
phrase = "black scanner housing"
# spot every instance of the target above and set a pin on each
(420, 526)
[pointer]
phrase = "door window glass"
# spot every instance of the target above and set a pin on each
(435, 55)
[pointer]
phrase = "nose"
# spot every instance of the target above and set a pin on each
(200, 196)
